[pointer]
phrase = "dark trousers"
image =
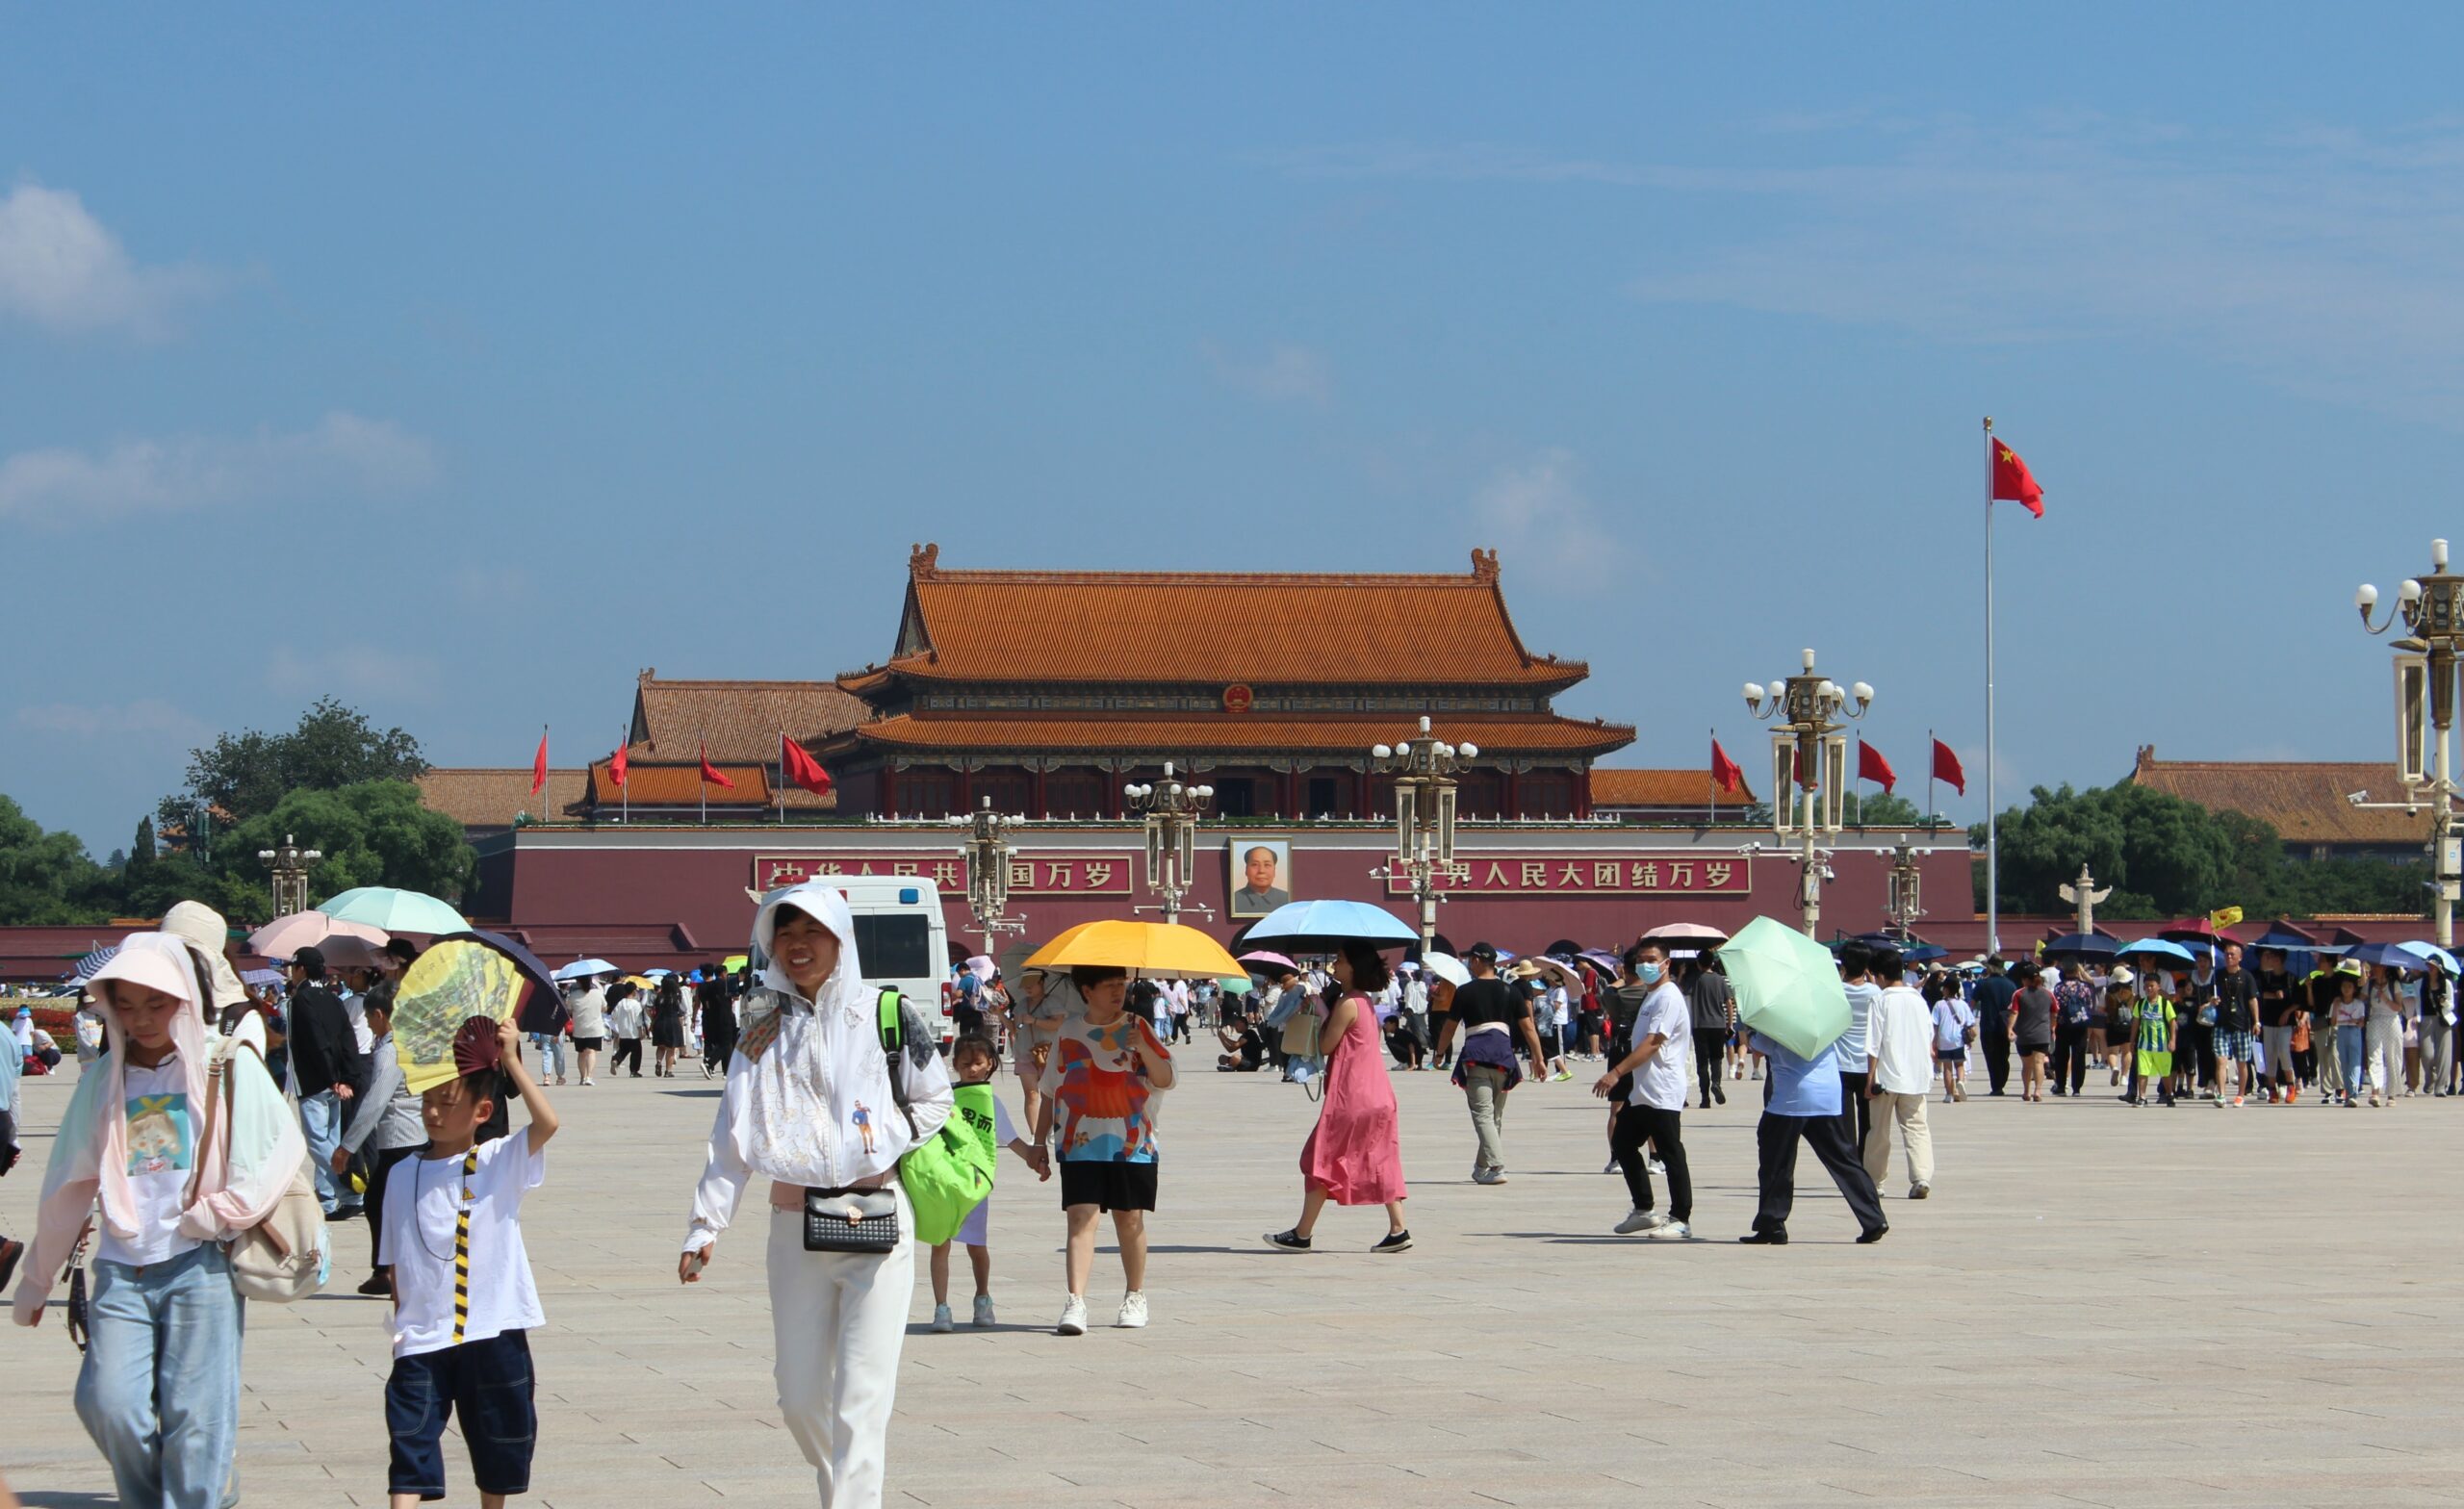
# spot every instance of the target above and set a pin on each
(1640, 1124)
(1855, 1111)
(1996, 1042)
(1776, 1140)
(2197, 1054)
(1707, 1066)
(626, 1048)
(490, 1385)
(380, 1166)
(2070, 1066)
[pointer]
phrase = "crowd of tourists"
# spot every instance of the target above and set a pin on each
(202, 1107)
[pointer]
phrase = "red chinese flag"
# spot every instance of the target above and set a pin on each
(539, 766)
(802, 768)
(1946, 767)
(710, 773)
(1726, 774)
(1871, 766)
(617, 765)
(2014, 483)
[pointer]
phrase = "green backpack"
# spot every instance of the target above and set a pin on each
(950, 1172)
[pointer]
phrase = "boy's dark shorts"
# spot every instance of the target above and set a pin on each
(489, 1384)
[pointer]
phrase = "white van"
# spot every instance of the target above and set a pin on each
(902, 938)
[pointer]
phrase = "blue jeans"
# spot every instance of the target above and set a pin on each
(321, 1121)
(552, 1056)
(2352, 1056)
(160, 1388)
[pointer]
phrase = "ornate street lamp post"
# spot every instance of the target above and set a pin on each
(1172, 807)
(988, 850)
(1907, 897)
(1810, 763)
(1423, 769)
(2432, 608)
(290, 865)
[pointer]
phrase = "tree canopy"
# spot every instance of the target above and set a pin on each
(48, 878)
(2167, 857)
(245, 775)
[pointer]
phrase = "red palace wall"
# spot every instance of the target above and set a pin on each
(644, 895)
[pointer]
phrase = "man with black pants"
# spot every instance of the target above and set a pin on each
(1657, 1061)
(1709, 1000)
(329, 1072)
(1805, 1105)
(1992, 1003)
(1856, 974)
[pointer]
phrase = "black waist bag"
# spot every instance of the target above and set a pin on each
(851, 1220)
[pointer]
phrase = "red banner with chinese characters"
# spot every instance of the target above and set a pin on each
(1589, 875)
(1030, 874)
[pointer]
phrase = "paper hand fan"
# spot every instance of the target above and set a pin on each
(451, 983)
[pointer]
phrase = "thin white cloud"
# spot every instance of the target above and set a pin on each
(2327, 261)
(342, 453)
(145, 719)
(1286, 373)
(64, 269)
(1537, 512)
(354, 672)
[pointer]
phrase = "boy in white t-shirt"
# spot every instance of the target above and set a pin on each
(973, 1058)
(463, 1299)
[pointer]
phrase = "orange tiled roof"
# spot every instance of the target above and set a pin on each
(1227, 733)
(2303, 800)
(1211, 628)
(1676, 789)
(741, 720)
(681, 786)
(489, 797)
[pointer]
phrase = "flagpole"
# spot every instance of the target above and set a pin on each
(625, 792)
(1929, 780)
(1711, 814)
(701, 776)
(1992, 814)
(779, 787)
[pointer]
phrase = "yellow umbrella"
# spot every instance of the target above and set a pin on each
(1153, 950)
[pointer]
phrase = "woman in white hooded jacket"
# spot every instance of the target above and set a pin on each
(159, 1390)
(808, 1104)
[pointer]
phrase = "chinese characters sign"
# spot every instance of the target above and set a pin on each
(1588, 875)
(1030, 874)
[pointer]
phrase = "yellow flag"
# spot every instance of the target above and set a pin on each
(2224, 916)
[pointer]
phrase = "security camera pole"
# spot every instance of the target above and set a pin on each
(2432, 608)
(1810, 764)
(1171, 809)
(1424, 770)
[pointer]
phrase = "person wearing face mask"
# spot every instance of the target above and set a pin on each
(809, 1103)
(1655, 1057)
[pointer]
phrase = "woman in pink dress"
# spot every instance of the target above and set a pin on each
(1354, 1156)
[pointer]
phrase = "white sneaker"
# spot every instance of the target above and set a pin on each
(1073, 1317)
(941, 1321)
(1918, 1192)
(1654, 1166)
(983, 1310)
(587, 1080)
(1133, 1311)
(1640, 1220)
(1676, 1229)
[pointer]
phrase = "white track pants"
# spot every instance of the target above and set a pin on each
(839, 1321)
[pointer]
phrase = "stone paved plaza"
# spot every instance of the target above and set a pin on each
(2099, 1306)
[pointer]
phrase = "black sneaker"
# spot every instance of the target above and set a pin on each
(10, 1251)
(1765, 1238)
(1866, 1238)
(1395, 1241)
(1288, 1241)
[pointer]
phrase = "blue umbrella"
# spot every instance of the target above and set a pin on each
(2155, 948)
(2083, 945)
(1924, 954)
(2432, 953)
(1310, 927)
(581, 967)
(2393, 954)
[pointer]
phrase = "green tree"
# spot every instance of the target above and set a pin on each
(142, 851)
(246, 774)
(372, 832)
(48, 878)
(1886, 810)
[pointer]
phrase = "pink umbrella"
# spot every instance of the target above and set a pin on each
(1268, 956)
(285, 936)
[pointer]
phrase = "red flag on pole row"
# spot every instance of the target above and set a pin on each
(1726, 773)
(1946, 767)
(1871, 766)
(711, 772)
(617, 765)
(2014, 483)
(802, 768)
(539, 766)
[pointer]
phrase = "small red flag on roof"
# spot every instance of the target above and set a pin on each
(801, 767)
(710, 773)
(1871, 766)
(539, 766)
(617, 765)
(1726, 773)
(1946, 767)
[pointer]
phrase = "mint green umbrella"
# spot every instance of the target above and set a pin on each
(1788, 987)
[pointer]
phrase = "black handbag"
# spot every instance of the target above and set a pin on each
(862, 1221)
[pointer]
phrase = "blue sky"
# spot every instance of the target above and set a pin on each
(460, 364)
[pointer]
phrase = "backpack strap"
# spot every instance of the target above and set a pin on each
(892, 1024)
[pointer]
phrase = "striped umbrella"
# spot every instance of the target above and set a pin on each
(91, 965)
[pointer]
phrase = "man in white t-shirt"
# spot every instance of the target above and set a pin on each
(1656, 1058)
(1899, 1058)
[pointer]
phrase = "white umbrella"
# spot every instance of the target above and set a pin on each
(583, 968)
